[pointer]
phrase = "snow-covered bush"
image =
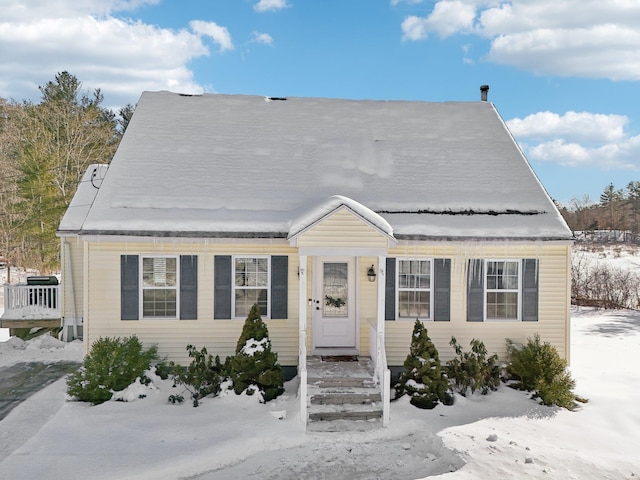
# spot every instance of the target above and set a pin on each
(255, 365)
(200, 378)
(538, 368)
(423, 377)
(473, 370)
(111, 365)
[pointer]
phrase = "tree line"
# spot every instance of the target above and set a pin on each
(617, 209)
(45, 148)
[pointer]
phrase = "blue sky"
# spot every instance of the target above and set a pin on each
(564, 74)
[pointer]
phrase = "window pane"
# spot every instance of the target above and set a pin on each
(251, 272)
(414, 304)
(502, 305)
(414, 288)
(159, 303)
(159, 272)
(246, 298)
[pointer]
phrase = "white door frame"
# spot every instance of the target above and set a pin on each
(319, 345)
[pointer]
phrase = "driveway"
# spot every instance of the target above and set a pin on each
(21, 380)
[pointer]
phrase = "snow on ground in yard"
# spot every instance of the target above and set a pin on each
(501, 435)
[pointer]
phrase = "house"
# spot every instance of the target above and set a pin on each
(345, 220)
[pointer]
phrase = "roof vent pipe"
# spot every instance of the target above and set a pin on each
(484, 92)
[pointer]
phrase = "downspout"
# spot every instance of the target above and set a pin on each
(68, 283)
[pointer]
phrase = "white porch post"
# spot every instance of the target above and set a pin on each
(384, 372)
(302, 337)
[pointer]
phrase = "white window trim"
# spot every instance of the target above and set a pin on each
(518, 261)
(431, 278)
(233, 283)
(142, 288)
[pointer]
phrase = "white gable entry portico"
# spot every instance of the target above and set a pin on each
(346, 245)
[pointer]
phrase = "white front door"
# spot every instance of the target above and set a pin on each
(334, 303)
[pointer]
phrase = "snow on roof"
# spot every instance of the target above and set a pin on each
(238, 165)
(85, 195)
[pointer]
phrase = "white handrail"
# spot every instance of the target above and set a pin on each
(302, 375)
(382, 373)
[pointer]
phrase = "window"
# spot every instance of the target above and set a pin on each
(159, 287)
(251, 285)
(502, 289)
(414, 288)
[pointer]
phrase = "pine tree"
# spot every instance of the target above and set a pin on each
(423, 378)
(254, 363)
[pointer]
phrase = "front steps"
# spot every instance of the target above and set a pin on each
(342, 395)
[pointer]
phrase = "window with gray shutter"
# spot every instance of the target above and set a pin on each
(530, 290)
(188, 287)
(390, 290)
(279, 286)
(129, 295)
(222, 287)
(475, 290)
(442, 290)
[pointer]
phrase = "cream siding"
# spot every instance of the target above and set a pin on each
(102, 289)
(553, 301)
(342, 229)
(172, 336)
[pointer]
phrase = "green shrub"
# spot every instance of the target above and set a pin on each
(537, 367)
(473, 370)
(202, 377)
(423, 378)
(111, 365)
(254, 363)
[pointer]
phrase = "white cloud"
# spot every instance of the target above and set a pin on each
(584, 38)
(578, 126)
(264, 38)
(121, 57)
(578, 139)
(220, 35)
(270, 5)
(447, 18)
(410, 2)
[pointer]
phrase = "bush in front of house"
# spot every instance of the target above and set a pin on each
(423, 377)
(200, 378)
(111, 365)
(473, 370)
(255, 365)
(537, 367)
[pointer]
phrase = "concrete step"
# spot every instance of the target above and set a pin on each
(336, 382)
(341, 396)
(319, 413)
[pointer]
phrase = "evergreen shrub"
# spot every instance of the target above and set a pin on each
(111, 365)
(254, 363)
(423, 377)
(473, 370)
(200, 378)
(537, 367)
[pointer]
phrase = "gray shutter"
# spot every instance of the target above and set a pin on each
(390, 290)
(129, 292)
(475, 291)
(530, 290)
(279, 286)
(442, 290)
(188, 287)
(222, 287)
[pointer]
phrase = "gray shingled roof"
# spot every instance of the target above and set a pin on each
(218, 165)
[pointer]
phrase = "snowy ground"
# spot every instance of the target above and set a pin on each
(502, 435)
